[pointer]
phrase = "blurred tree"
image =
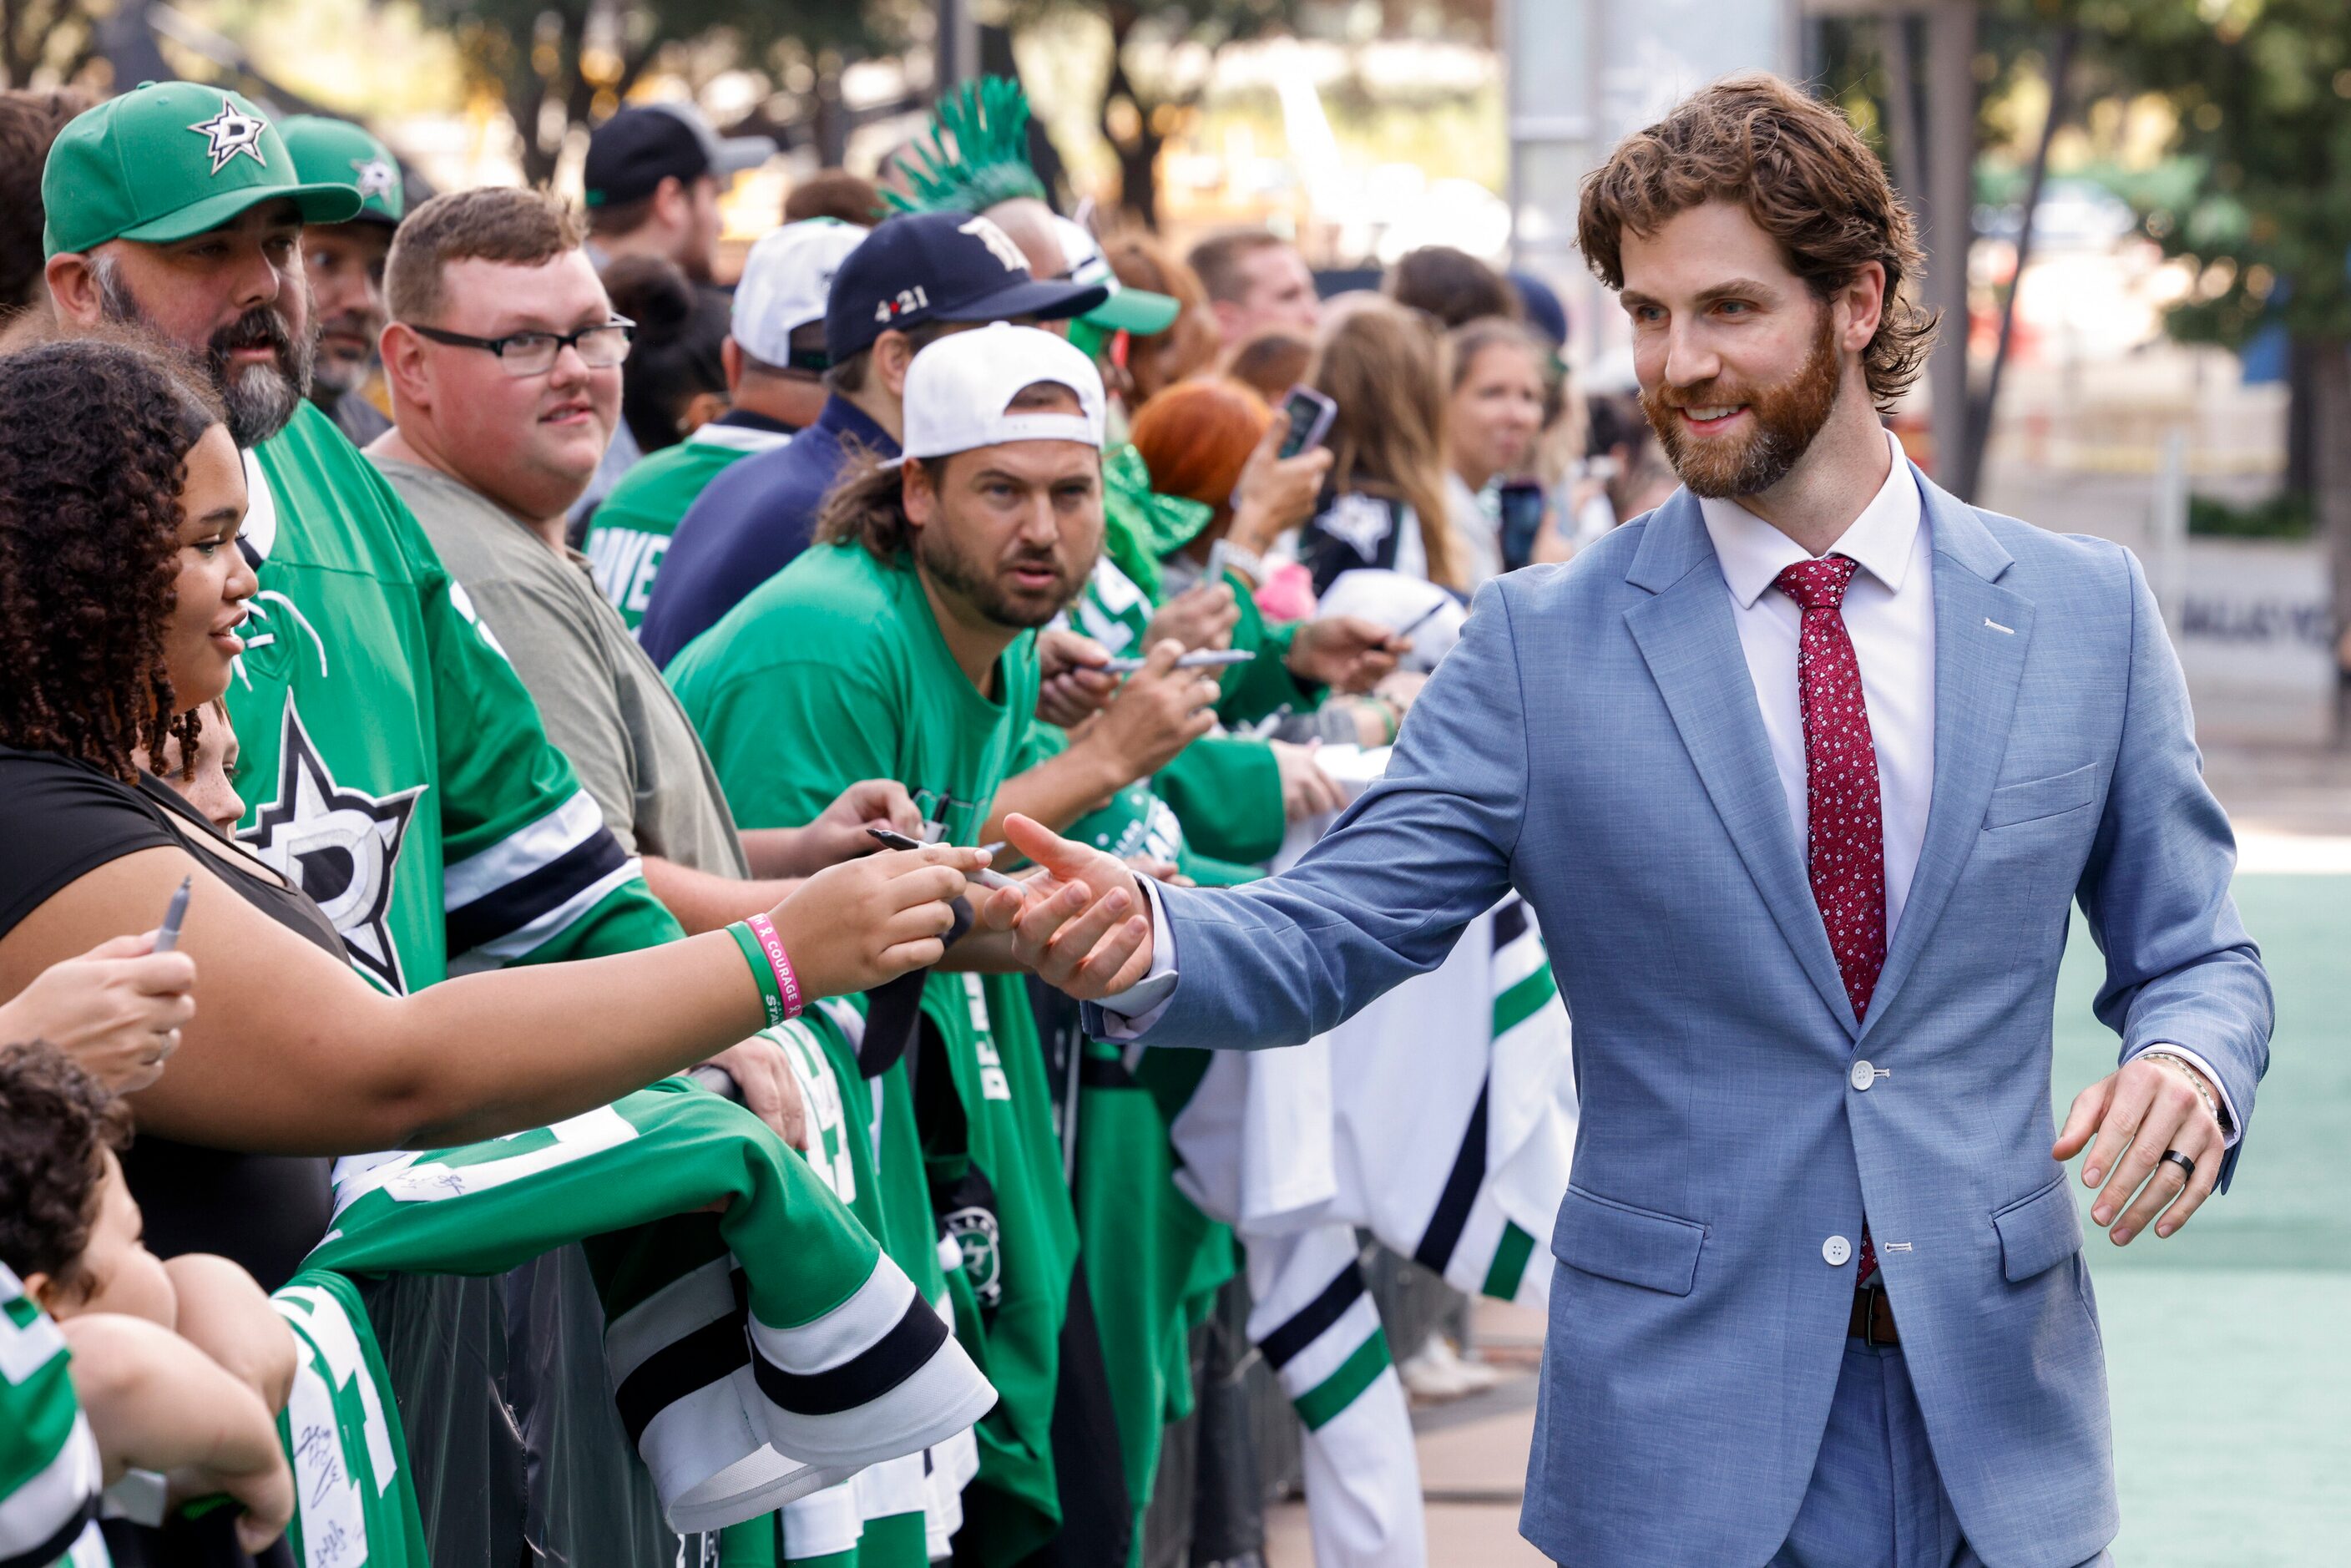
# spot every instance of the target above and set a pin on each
(1144, 92)
(557, 64)
(58, 35)
(2262, 93)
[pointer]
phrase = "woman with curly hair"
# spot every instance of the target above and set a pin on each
(123, 589)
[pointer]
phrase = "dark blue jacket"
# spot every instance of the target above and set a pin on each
(749, 524)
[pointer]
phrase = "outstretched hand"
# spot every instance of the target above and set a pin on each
(1082, 923)
(2138, 1114)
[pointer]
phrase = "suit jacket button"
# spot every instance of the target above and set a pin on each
(1863, 1075)
(1836, 1251)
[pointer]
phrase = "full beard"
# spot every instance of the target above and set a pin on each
(984, 589)
(1786, 418)
(260, 399)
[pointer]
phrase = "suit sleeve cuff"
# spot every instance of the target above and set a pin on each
(1130, 1013)
(2234, 1127)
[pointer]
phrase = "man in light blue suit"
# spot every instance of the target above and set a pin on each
(1801, 773)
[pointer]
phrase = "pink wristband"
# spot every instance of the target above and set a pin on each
(773, 946)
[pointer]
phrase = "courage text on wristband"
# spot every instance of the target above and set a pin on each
(771, 995)
(781, 964)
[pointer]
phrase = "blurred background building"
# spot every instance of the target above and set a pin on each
(2137, 210)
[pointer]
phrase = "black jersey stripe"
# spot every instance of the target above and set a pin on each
(694, 1362)
(53, 1548)
(901, 1351)
(1312, 1320)
(1462, 1185)
(508, 909)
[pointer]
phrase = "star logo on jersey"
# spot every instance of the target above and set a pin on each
(338, 846)
(980, 1242)
(230, 133)
(376, 179)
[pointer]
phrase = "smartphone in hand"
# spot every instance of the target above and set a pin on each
(1311, 414)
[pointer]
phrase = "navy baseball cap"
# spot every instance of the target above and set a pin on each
(940, 266)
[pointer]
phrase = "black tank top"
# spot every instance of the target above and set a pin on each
(59, 820)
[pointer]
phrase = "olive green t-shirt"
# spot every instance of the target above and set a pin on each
(832, 671)
(603, 703)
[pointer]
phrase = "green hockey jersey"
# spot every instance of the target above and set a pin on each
(354, 1489)
(832, 671)
(393, 768)
(49, 1476)
(886, 1516)
(630, 531)
(1226, 788)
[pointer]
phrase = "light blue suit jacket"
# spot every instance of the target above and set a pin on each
(1595, 742)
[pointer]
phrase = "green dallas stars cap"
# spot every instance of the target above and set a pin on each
(335, 152)
(168, 160)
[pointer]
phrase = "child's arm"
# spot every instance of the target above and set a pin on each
(224, 1314)
(155, 1402)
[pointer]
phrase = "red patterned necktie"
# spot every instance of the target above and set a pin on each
(1846, 831)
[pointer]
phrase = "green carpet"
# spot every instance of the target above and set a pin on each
(2230, 1344)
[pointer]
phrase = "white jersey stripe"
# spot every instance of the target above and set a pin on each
(691, 1302)
(844, 1333)
(524, 940)
(522, 851)
(53, 1496)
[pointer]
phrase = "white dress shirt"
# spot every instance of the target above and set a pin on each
(1889, 613)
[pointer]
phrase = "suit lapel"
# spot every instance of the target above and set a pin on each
(1981, 633)
(1690, 642)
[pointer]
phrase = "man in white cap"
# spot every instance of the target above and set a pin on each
(775, 360)
(901, 645)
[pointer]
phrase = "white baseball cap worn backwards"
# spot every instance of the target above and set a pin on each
(958, 389)
(786, 281)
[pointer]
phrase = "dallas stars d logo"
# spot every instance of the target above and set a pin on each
(230, 133)
(338, 846)
(376, 179)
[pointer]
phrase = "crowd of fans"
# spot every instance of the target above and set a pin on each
(512, 642)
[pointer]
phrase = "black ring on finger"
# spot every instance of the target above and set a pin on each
(2187, 1166)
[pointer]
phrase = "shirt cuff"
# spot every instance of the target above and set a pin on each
(1130, 1013)
(2233, 1125)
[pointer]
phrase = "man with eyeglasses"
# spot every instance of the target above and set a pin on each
(504, 360)
(393, 767)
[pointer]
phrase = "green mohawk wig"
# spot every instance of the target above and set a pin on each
(986, 122)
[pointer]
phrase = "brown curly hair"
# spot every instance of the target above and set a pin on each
(54, 1122)
(1802, 174)
(93, 456)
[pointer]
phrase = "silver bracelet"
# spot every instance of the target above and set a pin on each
(2195, 1082)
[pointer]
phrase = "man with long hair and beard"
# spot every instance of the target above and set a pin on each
(1801, 773)
(902, 645)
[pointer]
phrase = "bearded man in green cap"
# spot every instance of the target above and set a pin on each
(344, 263)
(367, 687)
(393, 766)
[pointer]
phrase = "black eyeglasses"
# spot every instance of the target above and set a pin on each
(600, 346)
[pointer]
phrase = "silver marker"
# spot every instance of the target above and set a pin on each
(896, 841)
(1215, 658)
(167, 936)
